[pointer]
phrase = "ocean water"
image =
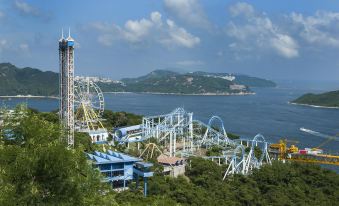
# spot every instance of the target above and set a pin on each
(268, 112)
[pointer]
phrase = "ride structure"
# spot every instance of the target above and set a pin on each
(66, 85)
(243, 163)
(89, 103)
(181, 135)
(308, 155)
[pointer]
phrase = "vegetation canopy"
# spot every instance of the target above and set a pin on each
(37, 168)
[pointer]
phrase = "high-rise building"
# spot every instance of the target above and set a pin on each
(66, 82)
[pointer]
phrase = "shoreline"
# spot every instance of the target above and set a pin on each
(314, 106)
(152, 93)
(202, 94)
(30, 96)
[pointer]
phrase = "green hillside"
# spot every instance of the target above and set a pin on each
(241, 79)
(328, 99)
(30, 81)
(163, 81)
(169, 82)
(27, 81)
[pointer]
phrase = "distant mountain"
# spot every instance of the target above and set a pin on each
(152, 75)
(27, 81)
(328, 99)
(161, 81)
(165, 81)
(241, 79)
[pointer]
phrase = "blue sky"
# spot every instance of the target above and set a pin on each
(284, 39)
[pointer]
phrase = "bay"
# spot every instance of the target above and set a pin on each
(267, 112)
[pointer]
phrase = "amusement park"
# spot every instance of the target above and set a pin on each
(170, 139)
(159, 153)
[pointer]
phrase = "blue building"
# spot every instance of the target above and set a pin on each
(119, 169)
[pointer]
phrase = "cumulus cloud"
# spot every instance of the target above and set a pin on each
(136, 30)
(24, 47)
(256, 31)
(28, 10)
(241, 8)
(156, 18)
(285, 45)
(179, 36)
(3, 44)
(321, 28)
(189, 11)
(146, 30)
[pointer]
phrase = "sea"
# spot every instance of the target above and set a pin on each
(268, 112)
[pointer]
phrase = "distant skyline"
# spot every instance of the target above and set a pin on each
(284, 39)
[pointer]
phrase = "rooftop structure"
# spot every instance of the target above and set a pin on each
(119, 169)
(173, 166)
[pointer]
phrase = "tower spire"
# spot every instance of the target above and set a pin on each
(62, 33)
(69, 32)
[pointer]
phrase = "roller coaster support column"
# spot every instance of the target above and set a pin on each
(191, 131)
(145, 186)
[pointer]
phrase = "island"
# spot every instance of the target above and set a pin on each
(327, 99)
(191, 83)
(31, 82)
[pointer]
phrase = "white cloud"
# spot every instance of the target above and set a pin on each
(241, 8)
(136, 30)
(285, 45)
(257, 32)
(2, 14)
(321, 29)
(179, 36)
(156, 18)
(24, 47)
(3, 44)
(190, 63)
(25, 8)
(146, 30)
(189, 11)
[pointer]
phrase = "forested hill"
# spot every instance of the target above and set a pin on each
(30, 81)
(328, 99)
(27, 81)
(240, 79)
(163, 81)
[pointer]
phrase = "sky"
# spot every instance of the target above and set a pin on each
(285, 39)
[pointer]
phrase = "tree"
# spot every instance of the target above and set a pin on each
(37, 168)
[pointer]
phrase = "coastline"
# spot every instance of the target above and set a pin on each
(192, 94)
(153, 93)
(30, 96)
(315, 106)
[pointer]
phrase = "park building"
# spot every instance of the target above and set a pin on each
(120, 169)
(173, 166)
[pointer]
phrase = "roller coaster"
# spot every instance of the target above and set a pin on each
(181, 135)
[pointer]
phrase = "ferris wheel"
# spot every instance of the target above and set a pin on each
(89, 104)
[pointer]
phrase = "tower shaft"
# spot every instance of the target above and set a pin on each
(66, 90)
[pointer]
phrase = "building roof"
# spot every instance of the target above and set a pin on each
(110, 157)
(163, 159)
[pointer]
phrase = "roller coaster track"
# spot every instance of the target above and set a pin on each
(244, 163)
(179, 126)
(212, 136)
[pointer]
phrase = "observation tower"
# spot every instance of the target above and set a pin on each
(66, 85)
